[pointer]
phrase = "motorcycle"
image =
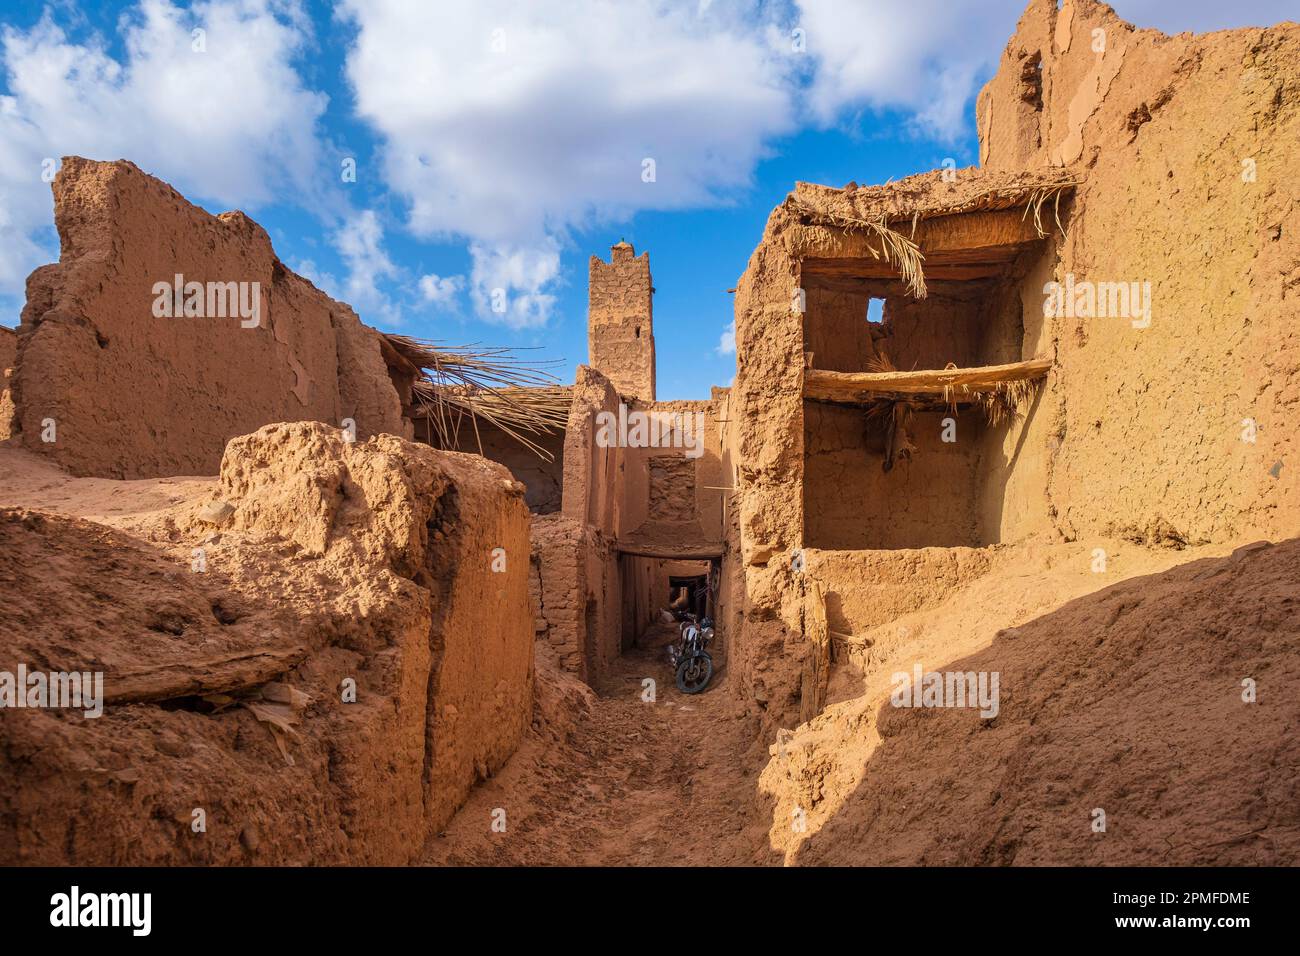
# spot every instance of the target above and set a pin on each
(690, 657)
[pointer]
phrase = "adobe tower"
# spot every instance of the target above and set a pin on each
(620, 326)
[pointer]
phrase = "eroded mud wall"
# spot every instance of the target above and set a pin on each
(1185, 146)
(768, 449)
(576, 574)
(1168, 432)
(672, 492)
(134, 394)
(543, 480)
(8, 354)
(348, 590)
(576, 591)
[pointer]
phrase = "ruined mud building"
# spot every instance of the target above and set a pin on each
(617, 524)
(853, 473)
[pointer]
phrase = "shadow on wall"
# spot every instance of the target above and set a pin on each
(1127, 702)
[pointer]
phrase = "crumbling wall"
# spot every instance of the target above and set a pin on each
(672, 488)
(731, 573)
(324, 688)
(672, 497)
(1180, 430)
(578, 583)
(559, 576)
(106, 386)
(8, 354)
(593, 472)
(1170, 432)
(543, 479)
(766, 654)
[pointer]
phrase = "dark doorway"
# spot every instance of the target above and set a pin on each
(690, 593)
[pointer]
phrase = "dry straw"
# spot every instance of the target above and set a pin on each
(900, 250)
(895, 248)
(999, 400)
(1039, 197)
(455, 386)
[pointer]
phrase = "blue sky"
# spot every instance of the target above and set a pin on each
(499, 144)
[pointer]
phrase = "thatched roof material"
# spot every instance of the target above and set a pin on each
(458, 385)
(879, 223)
(927, 196)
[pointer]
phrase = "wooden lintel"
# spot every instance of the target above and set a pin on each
(701, 552)
(866, 275)
(870, 386)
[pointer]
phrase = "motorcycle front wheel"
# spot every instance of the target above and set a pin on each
(693, 673)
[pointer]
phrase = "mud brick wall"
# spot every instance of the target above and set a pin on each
(133, 395)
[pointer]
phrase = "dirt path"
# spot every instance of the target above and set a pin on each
(665, 783)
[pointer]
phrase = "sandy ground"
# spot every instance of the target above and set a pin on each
(664, 783)
(29, 481)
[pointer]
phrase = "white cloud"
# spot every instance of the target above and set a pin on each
(727, 341)
(510, 123)
(922, 57)
(233, 124)
(360, 244)
(441, 290)
(508, 280)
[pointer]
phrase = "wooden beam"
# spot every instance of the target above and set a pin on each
(858, 272)
(919, 403)
(971, 231)
(688, 552)
(984, 257)
(977, 245)
(869, 386)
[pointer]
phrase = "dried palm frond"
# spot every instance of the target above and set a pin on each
(896, 416)
(898, 436)
(1000, 401)
(880, 362)
(1006, 400)
(1040, 196)
(928, 196)
(895, 248)
(456, 385)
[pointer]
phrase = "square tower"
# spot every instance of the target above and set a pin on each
(620, 325)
